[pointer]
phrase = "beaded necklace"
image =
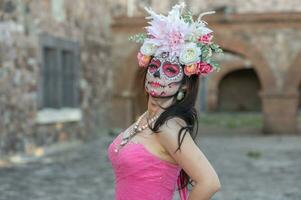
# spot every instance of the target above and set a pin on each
(136, 129)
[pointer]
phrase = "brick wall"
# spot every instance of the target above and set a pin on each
(135, 7)
(21, 23)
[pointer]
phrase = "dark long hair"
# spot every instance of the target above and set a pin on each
(183, 109)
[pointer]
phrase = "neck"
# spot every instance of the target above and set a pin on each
(153, 106)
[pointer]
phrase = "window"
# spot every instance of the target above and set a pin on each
(59, 85)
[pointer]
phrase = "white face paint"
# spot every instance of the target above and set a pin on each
(163, 77)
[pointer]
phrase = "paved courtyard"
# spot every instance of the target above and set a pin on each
(250, 168)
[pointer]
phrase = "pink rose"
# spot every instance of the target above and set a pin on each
(204, 68)
(143, 60)
(206, 39)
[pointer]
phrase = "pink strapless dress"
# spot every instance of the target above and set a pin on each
(140, 174)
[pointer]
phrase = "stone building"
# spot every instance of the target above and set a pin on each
(55, 79)
(261, 68)
(68, 69)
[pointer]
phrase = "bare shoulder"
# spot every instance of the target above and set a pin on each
(174, 123)
(169, 133)
(189, 157)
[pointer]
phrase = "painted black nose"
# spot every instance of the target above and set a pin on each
(157, 74)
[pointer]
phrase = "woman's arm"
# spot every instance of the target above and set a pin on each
(203, 191)
(191, 159)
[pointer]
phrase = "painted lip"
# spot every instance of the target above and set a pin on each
(155, 84)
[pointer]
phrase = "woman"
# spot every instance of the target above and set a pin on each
(159, 149)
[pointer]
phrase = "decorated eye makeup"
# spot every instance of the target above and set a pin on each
(154, 65)
(171, 70)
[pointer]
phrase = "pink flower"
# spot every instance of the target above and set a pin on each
(204, 68)
(143, 60)
(168, 32)
(175, 40)
(206, 39)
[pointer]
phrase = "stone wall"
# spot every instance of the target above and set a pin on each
(21, 23)
(135, 7)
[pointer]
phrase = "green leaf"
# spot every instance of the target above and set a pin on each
(219, 50)
(207, 60)
(214, 64)
(139, 38)
(205, 52)
(187, 17)
(199, 44)
(214, 46)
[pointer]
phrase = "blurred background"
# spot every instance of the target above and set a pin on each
(69, 84)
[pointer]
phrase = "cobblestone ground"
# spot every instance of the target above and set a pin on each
(250, 168)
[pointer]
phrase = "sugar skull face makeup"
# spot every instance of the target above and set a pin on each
(176, 35)
(163, 77)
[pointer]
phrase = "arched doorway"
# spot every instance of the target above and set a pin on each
(238, 92)
(250, 55)
(233, 94)
(226, 88)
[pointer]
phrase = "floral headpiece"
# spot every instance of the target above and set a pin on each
(180, 36)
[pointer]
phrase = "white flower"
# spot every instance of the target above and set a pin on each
(190, 54)
(148, 49)
(197, 30)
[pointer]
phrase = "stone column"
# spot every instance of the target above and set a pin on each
(212, 100)
(280, 112)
